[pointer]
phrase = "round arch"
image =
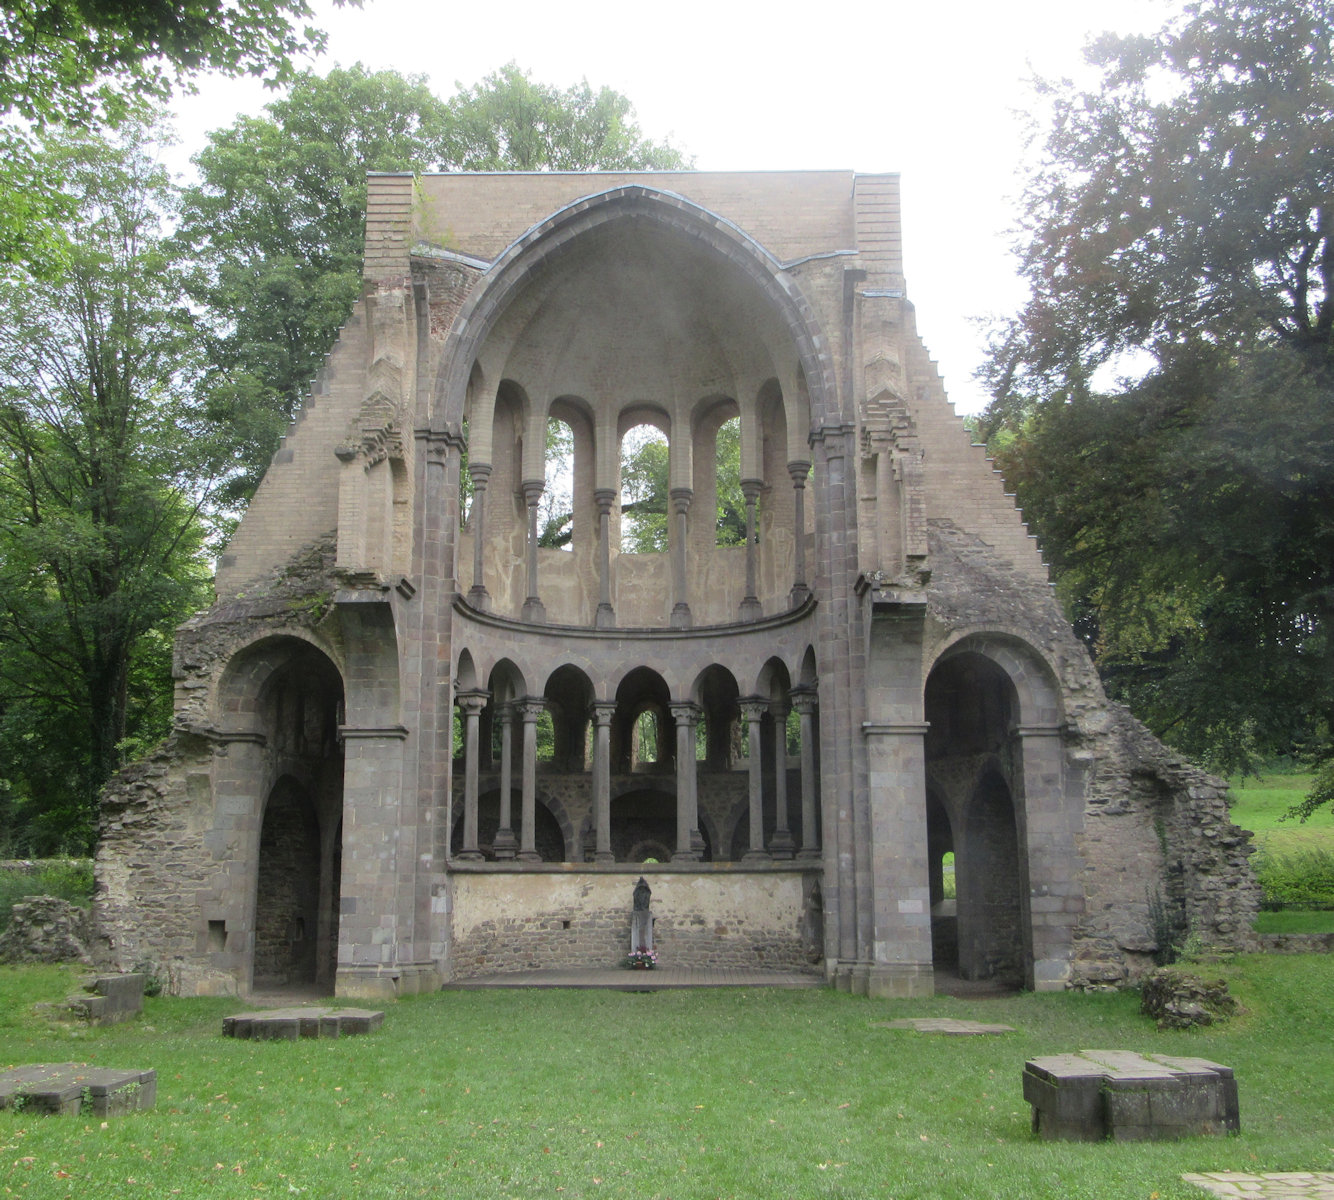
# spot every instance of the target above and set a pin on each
(545, 242)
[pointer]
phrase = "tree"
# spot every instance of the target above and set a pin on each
(276, 223)
(644, 490)
(93, 63)
(1180, 223)
(508, 122)
(104, 469)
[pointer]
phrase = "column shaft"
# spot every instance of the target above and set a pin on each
(750, 608)
(471, 705)
(533, 609)
(602, 714)
(505, 844)
(803, 700)
(687, 804)
(680, 498)
(752, 711)
(798, 472)
(480, 473)
(606, 614)
(529, 710)
(781, 844)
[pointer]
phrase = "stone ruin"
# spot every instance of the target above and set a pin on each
(416, 741)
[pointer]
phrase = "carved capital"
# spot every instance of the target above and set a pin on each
(805, 700)
(472, 702)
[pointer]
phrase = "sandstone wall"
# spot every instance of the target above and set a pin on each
(514, 920)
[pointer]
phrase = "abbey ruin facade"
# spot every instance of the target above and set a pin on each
(418, 740)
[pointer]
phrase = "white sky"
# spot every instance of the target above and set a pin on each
(935, 92)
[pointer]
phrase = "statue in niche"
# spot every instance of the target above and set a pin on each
(642, 955)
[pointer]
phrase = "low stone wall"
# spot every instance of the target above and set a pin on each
(517, 920)
(1297, 943)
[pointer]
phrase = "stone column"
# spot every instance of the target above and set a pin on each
(478, 596)
(781, 844)
(752, 711)
(900, 966)
(533, 609)
(680, 497)
(470, 705)
(529, 709)
(505, 844)
(687, 802)
(750, 608)
(1050, 888)
(800, 590)
(606, 614)
(603, 711)
(804, 701)
(885, 490)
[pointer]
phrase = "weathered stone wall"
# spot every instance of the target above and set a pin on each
(1155, 830)
(178, 830)
(511, 920)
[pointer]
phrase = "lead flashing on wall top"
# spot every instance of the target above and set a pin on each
(426, 250)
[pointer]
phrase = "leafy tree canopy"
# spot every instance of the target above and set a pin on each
(276, 223)
(1181, 222)
(105, 466)
(96, 63)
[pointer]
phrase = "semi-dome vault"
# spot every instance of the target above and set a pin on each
(444, 712)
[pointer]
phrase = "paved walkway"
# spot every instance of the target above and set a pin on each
(1272, 1185)
(659, 979)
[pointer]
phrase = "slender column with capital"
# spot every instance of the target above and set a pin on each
(529, 711)
(804, 701)
(680, 497)
(533, 609)
(886, 492)
(603, 711)
(687, 801)
(480, 473)
(471, 705)
(505, 845)
(752, 711)
(781, 844)
(606, 615)
(750, 608)
(798, 471)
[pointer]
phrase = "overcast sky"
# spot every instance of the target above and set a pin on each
(935, 92)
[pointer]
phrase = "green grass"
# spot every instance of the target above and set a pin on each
(712, 1093)
(69, 878)
(1295, 920)
(1260, 804)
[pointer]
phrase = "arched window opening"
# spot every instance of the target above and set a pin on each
(731, 523)
(644, 491)
(644, 740)
(555, 518)
(546, 737)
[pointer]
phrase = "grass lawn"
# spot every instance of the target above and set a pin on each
(1259, 805)
(731, 1093)
(1295, 920)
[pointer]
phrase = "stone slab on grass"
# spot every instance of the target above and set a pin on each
(67, 1089)
(1129, 1097)
(1269, 1185)
(289, 1024)
(948, 1025)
